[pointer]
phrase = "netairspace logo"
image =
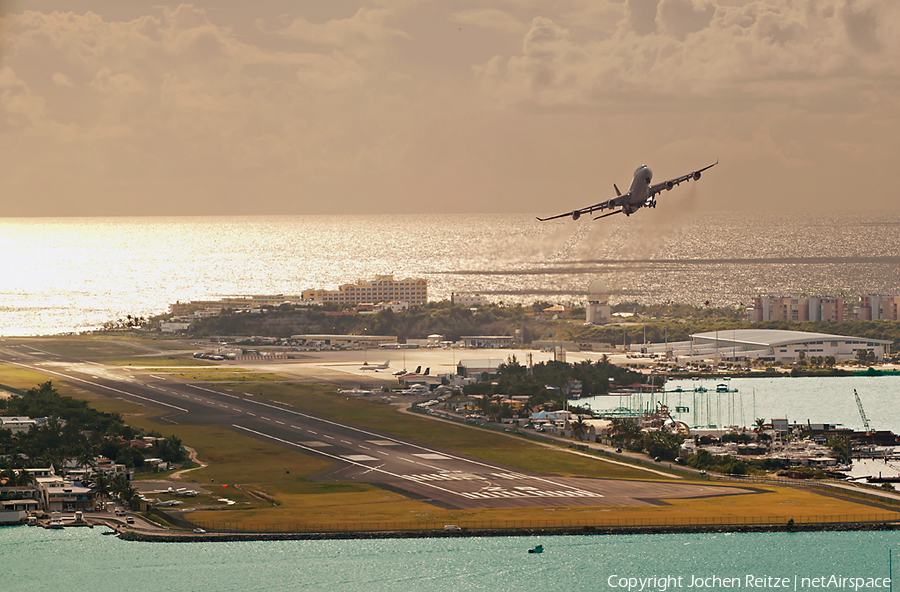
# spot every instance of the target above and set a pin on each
(795, 583)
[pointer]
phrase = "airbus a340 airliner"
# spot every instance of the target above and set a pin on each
(641, 194)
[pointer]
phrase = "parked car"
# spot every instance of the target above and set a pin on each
(199, 531)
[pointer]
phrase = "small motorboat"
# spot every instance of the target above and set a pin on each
(538, 549)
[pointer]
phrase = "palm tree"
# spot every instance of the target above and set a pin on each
(102, 484)
(579, 428)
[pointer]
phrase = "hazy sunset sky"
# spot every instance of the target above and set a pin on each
(417, 106)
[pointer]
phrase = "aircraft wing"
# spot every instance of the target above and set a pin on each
(576, 214)
(693, 175)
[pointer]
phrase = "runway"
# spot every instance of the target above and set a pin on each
(358, 454)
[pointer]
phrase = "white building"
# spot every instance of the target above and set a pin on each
(383, 288)
(15, 511)
(487, 341)
(469, 300)
(61, 495)
(17, 424)
(773, 345)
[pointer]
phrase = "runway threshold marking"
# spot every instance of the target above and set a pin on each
(341, 459)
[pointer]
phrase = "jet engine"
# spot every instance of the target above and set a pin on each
(669, 186)
(576, 215)
(697, 176)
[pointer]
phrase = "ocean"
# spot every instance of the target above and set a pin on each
(64, 275)
(81, 559)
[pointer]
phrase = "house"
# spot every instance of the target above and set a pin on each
(62, 495)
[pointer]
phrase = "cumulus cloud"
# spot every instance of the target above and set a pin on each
(61, 79)
(699, 47)
(490, 18)
(384, 105)
(178, 93)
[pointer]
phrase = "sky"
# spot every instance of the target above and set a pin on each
(444, 106)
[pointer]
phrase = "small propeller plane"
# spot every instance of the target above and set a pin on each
(641, 194)
(377, 368)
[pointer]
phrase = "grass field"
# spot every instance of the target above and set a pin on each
(20, 378)
(511, 450)
(164, 363)
(371, 510)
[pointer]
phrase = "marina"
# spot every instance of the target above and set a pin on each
(706, 404)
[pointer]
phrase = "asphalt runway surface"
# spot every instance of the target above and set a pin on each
(358, 454)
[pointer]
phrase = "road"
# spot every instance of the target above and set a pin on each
(358, 454)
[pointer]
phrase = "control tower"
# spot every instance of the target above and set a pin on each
(598, 311)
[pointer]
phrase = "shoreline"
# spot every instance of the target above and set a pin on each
(170, 537)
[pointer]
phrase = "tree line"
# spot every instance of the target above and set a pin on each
(656, 324)
(73, 431)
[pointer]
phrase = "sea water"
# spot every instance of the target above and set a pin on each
(820, 400)
(71, 274)
(82, 559)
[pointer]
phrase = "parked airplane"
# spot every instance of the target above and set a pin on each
(640, 194)
(405, 372)
(376, 368)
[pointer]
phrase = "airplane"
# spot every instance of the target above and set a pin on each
(640, 194)
(405, 372)
(376, 368)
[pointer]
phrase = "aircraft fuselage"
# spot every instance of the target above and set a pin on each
(639, 191)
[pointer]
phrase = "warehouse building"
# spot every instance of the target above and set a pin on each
(773, 345)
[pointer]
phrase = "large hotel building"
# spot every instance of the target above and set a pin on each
(384, 288)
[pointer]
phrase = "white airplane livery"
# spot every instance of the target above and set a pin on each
(641, 194)
(377, 368)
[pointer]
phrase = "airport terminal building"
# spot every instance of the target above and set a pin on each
(775, 346)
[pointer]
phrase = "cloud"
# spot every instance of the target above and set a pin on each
(61, 79)
(361, 35)
(490, 18)
(699, 48)
(177, 101)
(681, 17)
